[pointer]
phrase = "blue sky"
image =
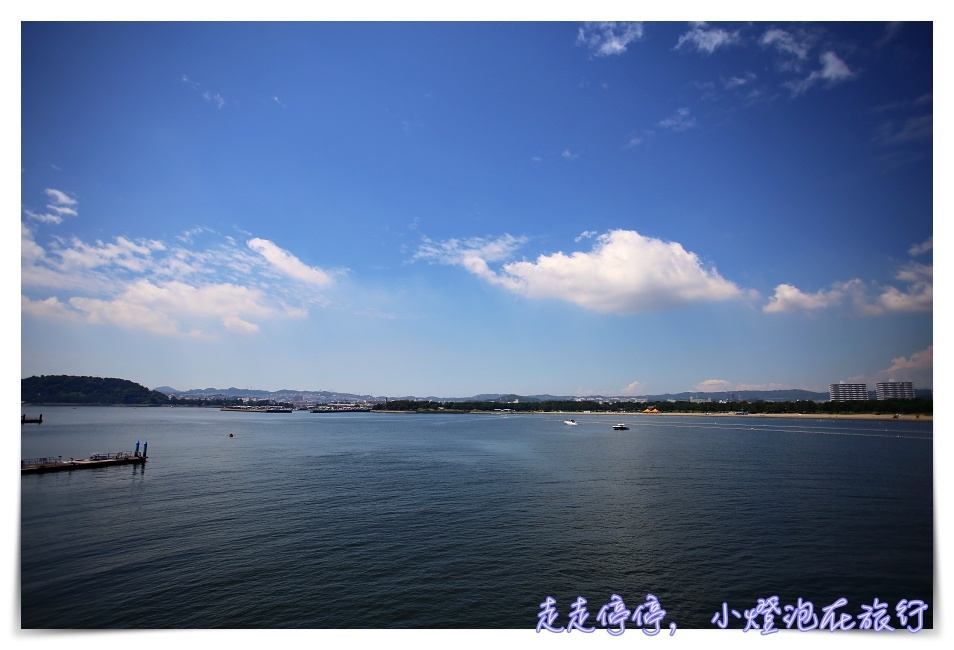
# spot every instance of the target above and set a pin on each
(456, 208)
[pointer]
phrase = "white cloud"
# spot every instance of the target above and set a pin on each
(214, 98)
(473, 254)
(635, 388)
(738, 81)
(48, 309)
(177, 289)
(833, 68)
(923, 247)
(124, 253)
(786, 43)
(207, 95)
(833, 71)
(586, 234)
(707, 39)
(633, 142)
(288, 264)
(624, 273)
(713, 386)
(918, 369)
(681, 120)
(609, 38)
(569, 155)
(59, 205)
(166, 308)
(790, 298)
(124, 314)
(915, 295)
(29, 249)
(62, 199)
(918, 295)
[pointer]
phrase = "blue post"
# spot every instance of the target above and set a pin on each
(137, 447)
(144, 445)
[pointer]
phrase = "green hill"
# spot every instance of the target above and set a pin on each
(68, 389)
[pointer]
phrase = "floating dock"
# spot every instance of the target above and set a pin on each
(48, 464)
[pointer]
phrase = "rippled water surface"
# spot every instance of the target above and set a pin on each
(465, 521)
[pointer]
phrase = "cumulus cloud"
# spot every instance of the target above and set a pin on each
(609, 38)
(919, 362)
(916, 294)
(624, 273)
(913, 292)
(917, 368)
(634, 388)
(705, 38)
(790, 298)
(713, 385)
(167, 289)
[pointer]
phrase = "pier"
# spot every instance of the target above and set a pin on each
(50, 464)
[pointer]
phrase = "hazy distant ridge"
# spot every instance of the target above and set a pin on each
(791, 395)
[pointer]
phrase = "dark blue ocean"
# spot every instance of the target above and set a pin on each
(370, 520)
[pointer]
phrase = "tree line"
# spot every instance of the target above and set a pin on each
(918, 406)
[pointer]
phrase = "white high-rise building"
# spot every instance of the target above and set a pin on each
(847, 392)
(894, 390)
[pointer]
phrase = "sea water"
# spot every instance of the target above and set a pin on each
(370, 520)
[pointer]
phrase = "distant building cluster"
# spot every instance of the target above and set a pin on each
(842, 392)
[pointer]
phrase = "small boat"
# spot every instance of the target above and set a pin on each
(572, 423)
(620, 427)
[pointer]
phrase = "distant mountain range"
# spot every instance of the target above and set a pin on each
(289, 395)
(96, 390)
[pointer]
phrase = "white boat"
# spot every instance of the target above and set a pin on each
(620, 427)
(572, 423)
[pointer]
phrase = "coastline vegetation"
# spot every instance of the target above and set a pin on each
(918, 406)
(69, 389)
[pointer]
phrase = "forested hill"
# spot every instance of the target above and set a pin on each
(67, 389)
